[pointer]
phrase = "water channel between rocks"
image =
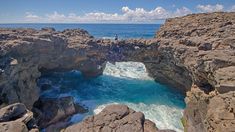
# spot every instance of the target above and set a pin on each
(123, 82)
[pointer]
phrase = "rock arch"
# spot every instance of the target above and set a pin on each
(28, 52)
(196, 49)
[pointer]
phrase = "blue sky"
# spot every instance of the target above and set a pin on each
(104, 11)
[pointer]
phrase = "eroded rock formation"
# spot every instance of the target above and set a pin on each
(118, 118)
(192, 52)
(203, 45)
(16, 118)
(25, 53)
(50, 111)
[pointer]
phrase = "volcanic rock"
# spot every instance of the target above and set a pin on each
(52, 110)
(13, 126)
(16, 118)
(118, 118)
(196, 50)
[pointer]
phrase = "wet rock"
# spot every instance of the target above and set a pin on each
(80, 109)
(56, 127)
(12, 112)
(52, 110)
(45, 87)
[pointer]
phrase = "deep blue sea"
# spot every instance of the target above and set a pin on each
(100, 30)
(123, 82)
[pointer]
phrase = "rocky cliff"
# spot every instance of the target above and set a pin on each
(202, 45)
(195, 54)
(25, 53)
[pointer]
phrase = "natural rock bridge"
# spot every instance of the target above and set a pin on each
(194, 51)
(36, 51)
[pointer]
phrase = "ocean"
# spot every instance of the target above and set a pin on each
(121, 83)
(100, 30)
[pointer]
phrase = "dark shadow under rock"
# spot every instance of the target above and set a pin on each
(53, 110)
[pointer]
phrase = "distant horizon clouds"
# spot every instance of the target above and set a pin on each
(124, 14)
(128, 15)
(210, 8)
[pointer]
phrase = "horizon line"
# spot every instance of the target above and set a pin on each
(74, 23)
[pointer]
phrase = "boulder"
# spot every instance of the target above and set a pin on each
(13, 126)
(16, 118)
(149, 126)
(12, 112)
(52, 110)
(56, 127)
(118, 118)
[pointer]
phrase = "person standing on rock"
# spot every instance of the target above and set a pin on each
(116, 37)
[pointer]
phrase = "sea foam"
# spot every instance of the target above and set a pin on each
(123, 83)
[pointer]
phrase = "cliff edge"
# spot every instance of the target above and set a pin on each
(194, 53)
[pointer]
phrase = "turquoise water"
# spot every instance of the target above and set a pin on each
(100, 30)
(126, 83)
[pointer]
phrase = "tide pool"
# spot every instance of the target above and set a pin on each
(124, 82)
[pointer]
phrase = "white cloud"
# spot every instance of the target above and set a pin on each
(101, 16)
(30, 17)
(56, 17)
(182, 12)
(210, 8)
(126, 16)
(140, 14)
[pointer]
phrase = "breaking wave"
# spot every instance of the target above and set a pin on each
(122, 83)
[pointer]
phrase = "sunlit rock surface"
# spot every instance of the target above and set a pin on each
(195, 49)
(203, 45)
(119, 118)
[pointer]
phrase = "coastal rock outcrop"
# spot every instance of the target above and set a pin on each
(49, 111)
(212, 112)
(194, 53)
(199, 47)
(16, 118)
(25, 53)
(118, 118)
(203, 46)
